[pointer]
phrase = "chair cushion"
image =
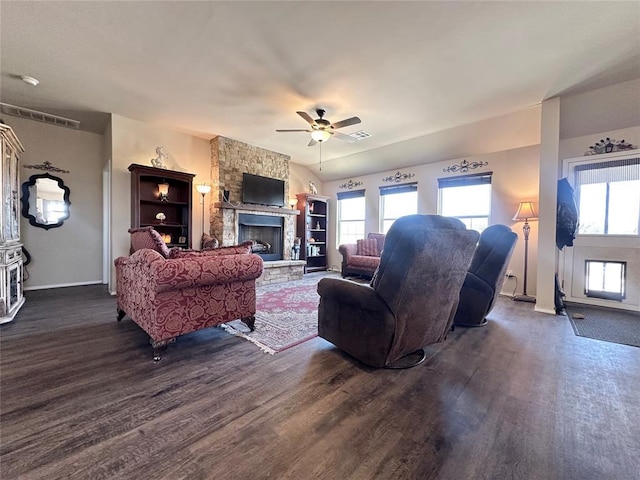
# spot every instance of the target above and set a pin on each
(367, 247)
(147, 237)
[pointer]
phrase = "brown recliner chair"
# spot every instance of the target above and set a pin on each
(486, 276)
(412, 297)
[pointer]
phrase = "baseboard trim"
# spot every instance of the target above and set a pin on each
(545, 310)
(62, 285)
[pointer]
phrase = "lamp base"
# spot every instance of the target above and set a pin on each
(524, 298)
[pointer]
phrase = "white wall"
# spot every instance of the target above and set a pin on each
(135, 142)
(299, 178)
(586, 118)
(70, 254)
(594, 247)
(514, 179)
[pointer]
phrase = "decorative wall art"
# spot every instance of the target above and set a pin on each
(350, 185)
(398, 177)
(464, 166)
(609, 145)
(47, 167)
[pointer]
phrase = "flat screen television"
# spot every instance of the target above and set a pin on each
(262, 190)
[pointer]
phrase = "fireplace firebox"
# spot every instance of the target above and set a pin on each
(266, 233)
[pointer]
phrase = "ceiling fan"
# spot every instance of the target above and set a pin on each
(322, 129)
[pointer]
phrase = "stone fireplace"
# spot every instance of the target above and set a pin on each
(231, 221)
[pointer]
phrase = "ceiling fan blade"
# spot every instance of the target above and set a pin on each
(307, 118)
(346, 122)
(342, 136)
(311, 143)
(294, 130)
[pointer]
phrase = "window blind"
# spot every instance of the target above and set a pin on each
(608, 171)
(351, 194)
(393, 189)
(465, 180)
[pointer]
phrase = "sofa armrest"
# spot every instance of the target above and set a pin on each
(348, 249)
(144, 256)
(351, 293)
(205, 270)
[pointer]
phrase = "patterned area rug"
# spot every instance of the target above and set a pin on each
(287, 314)
(606, 324)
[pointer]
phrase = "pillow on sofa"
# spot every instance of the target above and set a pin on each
(147, 237)
(367, 248)
(209, 242)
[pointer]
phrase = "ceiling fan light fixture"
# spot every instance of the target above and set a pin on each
(320, 135)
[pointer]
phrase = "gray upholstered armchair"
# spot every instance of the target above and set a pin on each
(486, 275)
(412, 297)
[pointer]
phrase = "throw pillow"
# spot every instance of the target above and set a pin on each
(368, 247)
(147, 237)
(209, 242)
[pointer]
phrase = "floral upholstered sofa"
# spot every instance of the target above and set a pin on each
(191, 290)
(363, 257)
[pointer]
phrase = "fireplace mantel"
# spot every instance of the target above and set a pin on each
(255, 208)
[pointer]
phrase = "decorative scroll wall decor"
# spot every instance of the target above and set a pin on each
(609, 145)
(47, 167)
(398, 177)
(464, 166)
(350, 185)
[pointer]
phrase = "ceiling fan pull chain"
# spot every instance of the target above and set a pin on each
(320, 156)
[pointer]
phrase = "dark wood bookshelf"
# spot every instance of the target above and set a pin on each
(146, 203)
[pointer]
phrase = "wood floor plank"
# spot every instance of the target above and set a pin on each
(522, 398)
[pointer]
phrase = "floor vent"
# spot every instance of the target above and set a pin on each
(39, 116)
(360, 134)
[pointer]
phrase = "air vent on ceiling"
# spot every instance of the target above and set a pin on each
(39, 116)
(360, 134)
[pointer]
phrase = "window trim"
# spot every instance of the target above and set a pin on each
(573, 168)
(473, 179)
(603, 294)
(385, 190)
(346, 196)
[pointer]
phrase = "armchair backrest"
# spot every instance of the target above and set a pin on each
(422, 268)
(491, 258)
(147, 237)
(379, 238)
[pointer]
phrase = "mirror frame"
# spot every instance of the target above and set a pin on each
(25, 200)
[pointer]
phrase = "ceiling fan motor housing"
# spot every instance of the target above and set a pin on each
(321, 122)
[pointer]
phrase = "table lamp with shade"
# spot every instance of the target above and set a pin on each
(526, 211)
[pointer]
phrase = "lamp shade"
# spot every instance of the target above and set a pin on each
(163, 190)
(320, 135)
(526, 211)
(203, 188)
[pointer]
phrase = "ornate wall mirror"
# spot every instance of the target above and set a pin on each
(45, 201)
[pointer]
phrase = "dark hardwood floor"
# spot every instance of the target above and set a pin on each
(523, 398)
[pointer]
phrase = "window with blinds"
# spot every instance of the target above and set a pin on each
(351, 216)
(468, 198)
(608, 197)
(397, 201)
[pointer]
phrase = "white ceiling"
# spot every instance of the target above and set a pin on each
(242, 69)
